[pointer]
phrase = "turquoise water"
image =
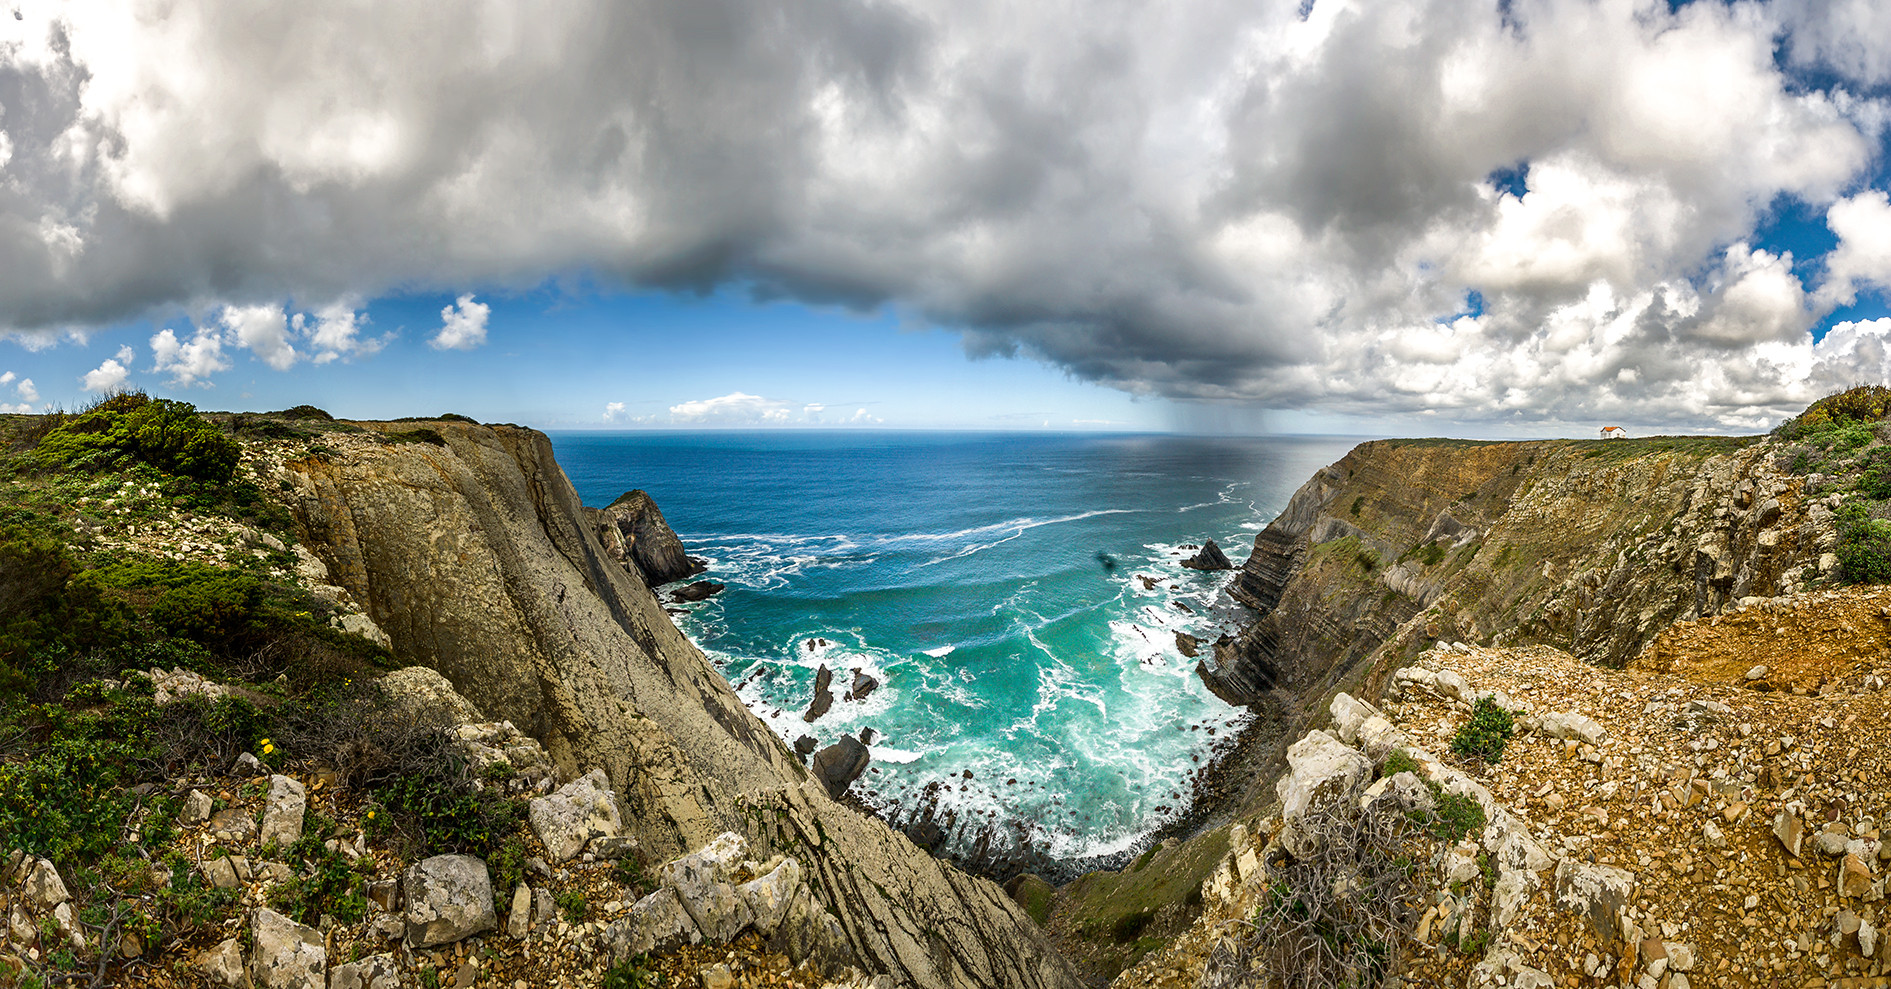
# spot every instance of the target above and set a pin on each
(967, 573)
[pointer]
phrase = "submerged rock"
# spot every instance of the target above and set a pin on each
(701, 590)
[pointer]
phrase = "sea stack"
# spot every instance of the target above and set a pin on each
(1210, 558)
(633, 531)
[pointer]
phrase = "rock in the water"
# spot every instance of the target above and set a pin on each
(634, 533)
(863, 685)
(838, 765)
(372, 972)
(223, 964)
(287, 955)
(805, 746)
(701, 590)
(283, 811)
(823, 694)
(448, 897)
(1187, 644)
(1210, 558)
(577, 812)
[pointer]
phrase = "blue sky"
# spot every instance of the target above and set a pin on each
(1405, 216)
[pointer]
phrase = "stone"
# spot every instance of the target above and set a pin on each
(1321, 771)
(1595, 892)
(44, 887)
(385, 893)
(610, 848)
(20, 925)
(197, 807)
(657, 922)
(636, 535)
(716, 976)
(576, 813)
(234, 824)
(519, 921)
(69, 925)
(247, 765)
(286, 955)
(1831, 843)
(701, 590)
(1715, 837)
(862, 686)
(223, 964)
(808, 933)
(769, 897)
(1791, 832)
(428, 697)
(356, 623)
(373, 972)
(221, 873)
(1680, 956)
(701, 882)
(1854, 877)
(283, 811)
(838, 765)
(542, 905)
(448, 897)
(1867, 938)
(805, 746)
(1568, 724)
(823, 694)
(1757, 673)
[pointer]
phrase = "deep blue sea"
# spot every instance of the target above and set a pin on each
(969, 573)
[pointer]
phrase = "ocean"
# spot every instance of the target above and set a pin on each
(1017, 596)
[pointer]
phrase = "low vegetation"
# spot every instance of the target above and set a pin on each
(1484, 735)
(1843, 444)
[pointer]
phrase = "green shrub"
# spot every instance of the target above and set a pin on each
(633, 974)
(1400, 761)
(1457, 815)
(329, 887)
(131, 428)
(302, 412)
(1485, 734)
(1864, 545)
(571, 902)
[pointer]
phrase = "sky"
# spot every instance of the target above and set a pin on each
(1520, 217)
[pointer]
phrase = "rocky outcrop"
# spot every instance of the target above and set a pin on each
(449, 897)
(838, 765)
(478, 561)
(633, 532)
(1209, 558)
(580, 811)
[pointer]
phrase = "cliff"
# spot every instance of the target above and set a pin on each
(1591, 547)
(477, 559)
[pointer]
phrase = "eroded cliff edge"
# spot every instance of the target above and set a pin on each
(476, 558)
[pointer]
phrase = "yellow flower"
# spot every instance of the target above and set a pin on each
(268, 748)
(370, 815)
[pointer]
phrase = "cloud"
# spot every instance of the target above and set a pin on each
(335, 333)
(189, 362)
(735, 408)
(1863, 256)
(463, 325)
(264, 330)
(111, 374)
(613, 411)
(27, 392)
(1220, 203)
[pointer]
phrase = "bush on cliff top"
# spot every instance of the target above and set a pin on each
(132, 428)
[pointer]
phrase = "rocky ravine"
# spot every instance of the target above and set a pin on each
(1687, 821)
(477, 559)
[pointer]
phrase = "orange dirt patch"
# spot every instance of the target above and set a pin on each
(1808, 642)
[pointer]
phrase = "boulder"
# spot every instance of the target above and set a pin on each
(44, 887)
(197, 807)
(1596, 892)
(1321, 771)
(808, 933)
(701, 590)
(823, 694)
(448, 897)
(1568, 724)
(1854, 877)
(372, 972)
(701, 883)
(657, 922)
(577, 812)
(1187, 645)
(1790, 831)
(770, 896)
(283, 811)
(428, 697)
(838, 765)
(805, 746)
(234, 824)
(223, 964)
(519, 920)
(1210, 558)
(635, 534)
(286, 955)
(863, 685)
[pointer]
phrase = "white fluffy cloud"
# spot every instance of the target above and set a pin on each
(110, 374)
(462, 325)
(1863, 255)
(1218, 202)
(23, 388)
(191, 361)
(264, 330)
(734, 408)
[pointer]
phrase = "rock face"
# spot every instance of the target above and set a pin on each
(1209, 558)
(478, 561)
(448, 897)
(579, 811)
(634, 533)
